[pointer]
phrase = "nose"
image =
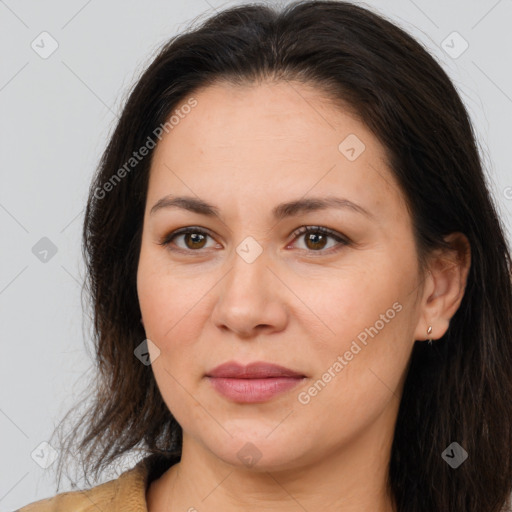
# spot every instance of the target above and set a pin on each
(251, 299)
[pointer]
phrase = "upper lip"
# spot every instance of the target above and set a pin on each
(255, 370)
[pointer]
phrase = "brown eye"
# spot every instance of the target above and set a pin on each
(193, 238)
(317, 241)
(196, 240)
(317, 237)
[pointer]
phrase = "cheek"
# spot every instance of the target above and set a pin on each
(170, 324)
(358, 374)
(175, 309)
(170, 319)
(341, 303)
(167, 301)
(361, 333)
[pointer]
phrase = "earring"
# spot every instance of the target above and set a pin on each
(429, 330)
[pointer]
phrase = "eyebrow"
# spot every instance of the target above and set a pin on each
(279, 212)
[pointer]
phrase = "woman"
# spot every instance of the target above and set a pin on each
(301, 287)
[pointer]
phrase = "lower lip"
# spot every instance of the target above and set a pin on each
(253, 390)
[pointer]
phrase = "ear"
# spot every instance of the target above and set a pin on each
(444, 287)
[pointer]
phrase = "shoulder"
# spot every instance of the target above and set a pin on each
(100, 497)
(128, 490)
(77, 501)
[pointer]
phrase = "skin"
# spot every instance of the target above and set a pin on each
(299, 304)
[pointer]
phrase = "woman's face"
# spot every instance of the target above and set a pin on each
(341, 310)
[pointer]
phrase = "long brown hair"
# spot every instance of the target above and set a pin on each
(460, 388)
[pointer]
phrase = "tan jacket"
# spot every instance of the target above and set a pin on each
(127, 493)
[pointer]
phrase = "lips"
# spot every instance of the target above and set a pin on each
(256, 370)
(252, 383)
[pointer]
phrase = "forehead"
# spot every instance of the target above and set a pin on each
(275, 139)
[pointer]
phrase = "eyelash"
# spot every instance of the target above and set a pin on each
(342, 240)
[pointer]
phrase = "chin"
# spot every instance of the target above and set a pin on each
(258, 453)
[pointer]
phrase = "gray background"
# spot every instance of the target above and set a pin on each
(57, 113)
